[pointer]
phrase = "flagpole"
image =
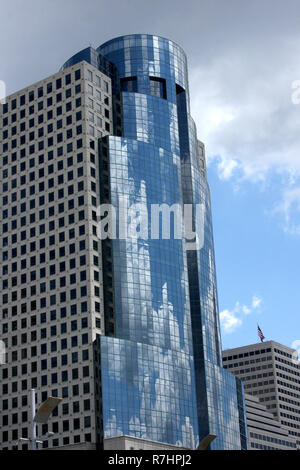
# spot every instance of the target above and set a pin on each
(260, 334)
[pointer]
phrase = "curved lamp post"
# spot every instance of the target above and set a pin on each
(41, 416)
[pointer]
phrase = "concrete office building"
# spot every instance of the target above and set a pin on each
(51, 275)
(121, 443)
(271, 372)
(126, 331)
(264, 431)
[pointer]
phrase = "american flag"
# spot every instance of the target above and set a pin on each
(260, 334)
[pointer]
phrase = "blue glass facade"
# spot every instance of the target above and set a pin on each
(161, 367)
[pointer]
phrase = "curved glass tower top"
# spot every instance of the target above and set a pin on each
(143, 56)
(160, 360)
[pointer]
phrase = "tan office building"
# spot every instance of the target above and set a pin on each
(271, 372)
(51, 280)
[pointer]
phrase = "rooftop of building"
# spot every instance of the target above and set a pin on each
(138, 36)
(271, 344)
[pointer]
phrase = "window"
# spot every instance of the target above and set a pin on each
(129, 84)
(158, 87)
(68, 79)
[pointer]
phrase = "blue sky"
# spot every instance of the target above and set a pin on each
(257, 262)
(243, 61)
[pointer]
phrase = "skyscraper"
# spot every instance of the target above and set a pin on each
(271, 372)
(265, 432)
(125, 329)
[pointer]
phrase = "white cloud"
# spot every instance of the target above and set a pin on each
(246, 310)
(256, 301)
(246, 113)
(289, 208)
(243, 108)
(233, 319)
(229, 321)
(226, 167)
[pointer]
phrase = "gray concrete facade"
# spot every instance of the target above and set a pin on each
(264, 431)
(51, 273)
(270, 371)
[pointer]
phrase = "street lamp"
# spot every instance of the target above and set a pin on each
(206, 441)
(41, 416)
